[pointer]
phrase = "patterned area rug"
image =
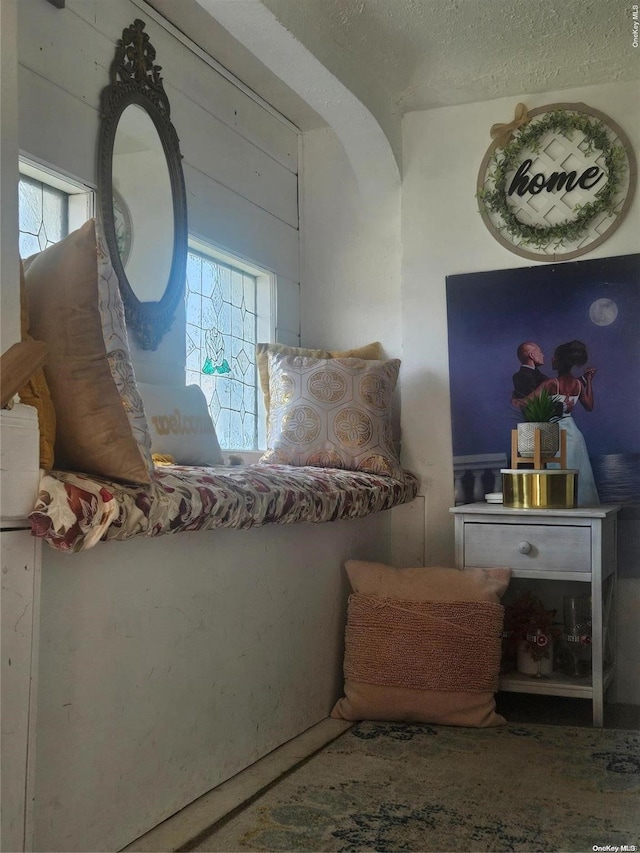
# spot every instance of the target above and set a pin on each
(394, 787)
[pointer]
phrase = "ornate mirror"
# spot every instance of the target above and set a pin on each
(141, 190)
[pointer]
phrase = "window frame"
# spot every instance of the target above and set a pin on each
(81, 197)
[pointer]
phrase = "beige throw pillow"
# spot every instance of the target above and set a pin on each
(180, 424)
(36, 392)
(423, 645)
(370, 352)
(332, 413)
(75, 307)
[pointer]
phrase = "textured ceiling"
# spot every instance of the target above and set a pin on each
(403, 55)
(396, 56)
(421, 54)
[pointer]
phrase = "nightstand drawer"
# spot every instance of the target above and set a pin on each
(528, 546)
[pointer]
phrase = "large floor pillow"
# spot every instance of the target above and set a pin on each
(423, 645)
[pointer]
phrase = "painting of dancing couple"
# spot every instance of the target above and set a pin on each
(570, 329)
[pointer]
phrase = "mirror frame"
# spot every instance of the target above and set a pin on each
(135, 79)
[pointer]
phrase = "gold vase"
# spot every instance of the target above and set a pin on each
(524, 488)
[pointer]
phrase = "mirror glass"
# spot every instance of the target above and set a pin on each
(141, 191)
(142, 204)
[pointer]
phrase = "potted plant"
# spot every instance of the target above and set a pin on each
(530, 628)
(541, 412)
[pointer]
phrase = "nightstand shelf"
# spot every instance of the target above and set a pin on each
(556, 684)
(573, 547)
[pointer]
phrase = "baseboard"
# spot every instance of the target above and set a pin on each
(186, 827)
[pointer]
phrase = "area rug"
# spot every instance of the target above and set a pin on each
(406, 787)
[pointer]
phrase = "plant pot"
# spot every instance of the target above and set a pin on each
(527, 665)
(549, 438)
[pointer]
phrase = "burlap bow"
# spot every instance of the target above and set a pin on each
(502, 133)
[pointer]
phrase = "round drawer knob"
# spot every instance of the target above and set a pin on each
(524, 547)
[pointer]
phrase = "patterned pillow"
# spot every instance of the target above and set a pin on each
(423, 645)
(370, 352)
(332, 413)
(180, 424)
(75, 307)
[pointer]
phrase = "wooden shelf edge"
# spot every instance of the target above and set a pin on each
(551, 575)
(17, 366)
(555, 684)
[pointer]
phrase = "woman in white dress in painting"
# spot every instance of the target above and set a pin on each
(571, 390)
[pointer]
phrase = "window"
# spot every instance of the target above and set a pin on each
(44, 216)
(228, 309)
(49, 207)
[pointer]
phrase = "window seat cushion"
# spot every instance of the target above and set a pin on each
(74, 511)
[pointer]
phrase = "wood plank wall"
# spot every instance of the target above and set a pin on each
(240, 160)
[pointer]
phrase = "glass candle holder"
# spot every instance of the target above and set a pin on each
(577, 634)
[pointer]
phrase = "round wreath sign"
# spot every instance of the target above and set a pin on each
(556, 182)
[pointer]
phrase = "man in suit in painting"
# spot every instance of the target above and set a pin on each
(529, 376)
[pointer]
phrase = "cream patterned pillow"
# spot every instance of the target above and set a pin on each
(370, 352)
(332, 413)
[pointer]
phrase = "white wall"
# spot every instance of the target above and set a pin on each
(350, 253)
(9, 258)
(168, 665)
(240, 160)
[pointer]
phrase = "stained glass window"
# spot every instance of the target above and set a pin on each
(43, 213)
(221, 341)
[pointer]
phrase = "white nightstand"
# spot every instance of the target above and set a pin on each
(577, 546)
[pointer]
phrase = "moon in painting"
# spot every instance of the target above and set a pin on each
(603, 312)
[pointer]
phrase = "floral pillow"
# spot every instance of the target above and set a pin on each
(332, 413)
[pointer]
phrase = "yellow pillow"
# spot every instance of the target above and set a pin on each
(369, 352)
(36, 391)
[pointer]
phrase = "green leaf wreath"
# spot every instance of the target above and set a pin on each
(506, 159)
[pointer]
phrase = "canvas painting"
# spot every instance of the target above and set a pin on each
(572, 328)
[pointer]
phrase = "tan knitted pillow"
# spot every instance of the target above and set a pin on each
(423, 645)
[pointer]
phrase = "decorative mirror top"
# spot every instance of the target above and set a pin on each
(141, 188)
(134, 63)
